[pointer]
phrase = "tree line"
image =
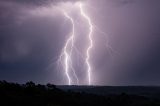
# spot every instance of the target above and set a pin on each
(31, 94)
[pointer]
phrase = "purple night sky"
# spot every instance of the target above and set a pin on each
(126, 41)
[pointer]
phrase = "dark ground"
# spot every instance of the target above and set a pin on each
(30, 94)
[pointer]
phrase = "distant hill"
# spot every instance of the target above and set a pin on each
(150, 91)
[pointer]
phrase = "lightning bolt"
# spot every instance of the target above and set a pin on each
(91, 42)
(67, 52)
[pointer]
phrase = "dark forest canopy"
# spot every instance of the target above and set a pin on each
(31, 94)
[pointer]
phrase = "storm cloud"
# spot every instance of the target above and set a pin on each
(32, 35)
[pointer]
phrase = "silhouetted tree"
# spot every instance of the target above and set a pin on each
(30, 84)
(51, 86)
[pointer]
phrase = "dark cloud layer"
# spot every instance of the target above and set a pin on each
(31, 40)
(27, 43)
(38, 2)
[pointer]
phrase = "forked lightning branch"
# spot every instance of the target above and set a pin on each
(66, 54)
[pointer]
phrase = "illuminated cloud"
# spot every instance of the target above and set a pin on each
(33, 33)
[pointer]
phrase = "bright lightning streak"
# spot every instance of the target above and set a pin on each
(65, 58)
(67, 52)
(91, 42)
(74, 72)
